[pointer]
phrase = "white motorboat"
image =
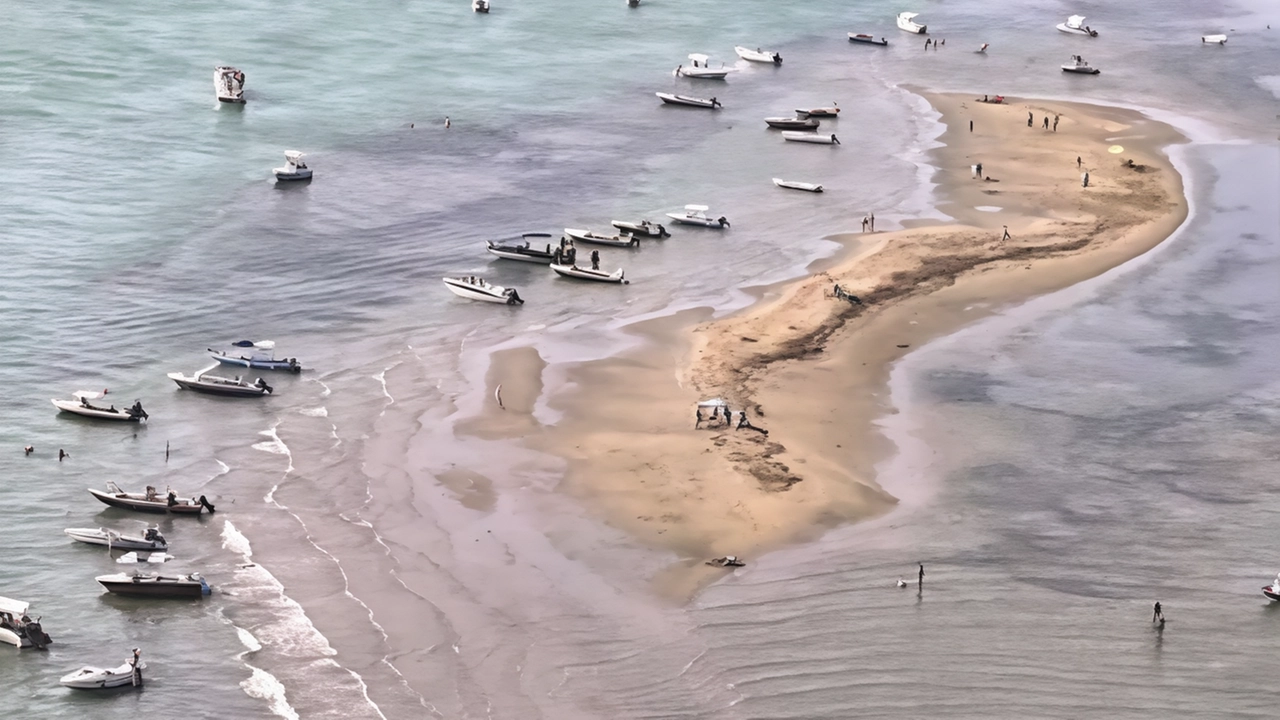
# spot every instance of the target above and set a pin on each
(697, 215)
(203, 382)
(19, 630)
(96, 678)
(152, 501)
(295, 168)
(866, 39)
(758, 55)
(573, 271)
(827, 112)
(644, 228)
(82, 406)
(135, 558)
(1214, 39)
(689, 101)
(149, 539)
(477, 288)
(700, 69)
(480, 6)
(906, 21)
(228, 85)
(1075, 26)
(796, 185)
(816, 138)
(256, 355)
(792, 123)
(1272, 591)
(1079, 67)
(523, 252)
(586, 236)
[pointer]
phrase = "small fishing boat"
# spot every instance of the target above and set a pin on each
(82, 406)
(573, 271)
(816, 138)
(1213, 39)
(154, 585)
(796, 185)
(826, 112)
(758, 55)
(203, 382)
(19, 630)
(726, 561)
(149, 539)
(633, 3)
(96, 678)
(136, 558)
(1272, 591)
(906, 21)
(477, 288)
(523, 252)
(866, 39)
(697, 215)
(480, 6)
(1075, 26)
(586, 236)
(688, 101)
(295, 168)
(228, 85)
(794, 123)
(151, 501)
(1079, 67)
(256, 355)
(644, 228)
(700, 69)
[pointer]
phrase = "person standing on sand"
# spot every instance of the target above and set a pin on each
(1046, 122)
(1084, 179)
(1077, 162)
(1031, 119)
(979, 168)
(970, 126)
(864, 223)
(698, 418)
(1056, 118)
(873, 222)
(1006, 234)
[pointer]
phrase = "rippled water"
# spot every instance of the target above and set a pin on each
(142, 227)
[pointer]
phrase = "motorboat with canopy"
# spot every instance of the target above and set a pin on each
(154, 585)
(90, 677)
(699, 68)
(816, 138)
(906, 21)
(758, 55)
(1079, 67)
(149, 539)
(644, 228)
(18, 629)
(203, 382)
(866, 39)
(480, 6)
(573, 271)
(1075, 26)
(228, 85)
(689, 101)
(256, 355)
(477, 288)
(792, 123)
(152, 501)
(82, 405)
(523, 252)
(586, 236)
(295, 168)
(697, 215)
(796, 185)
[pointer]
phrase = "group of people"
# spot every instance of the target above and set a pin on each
(1031, 121)
(722, 415)
(567, 254)
(869, 222)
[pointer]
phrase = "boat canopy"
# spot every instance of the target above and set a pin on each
(698, 58)
(1075, 21)
(697, 208)
(714, 402)
(908, 15)
(86, 395)
(293, 156)
(260, 344)
(16, 608)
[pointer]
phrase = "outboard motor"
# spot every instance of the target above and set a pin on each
(260, 383)
(35, 633)
(662, 232)
(724, 222)
(513, 297)
(204, 502)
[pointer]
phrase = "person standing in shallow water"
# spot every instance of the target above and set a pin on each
(1158, 614)
(920, 578)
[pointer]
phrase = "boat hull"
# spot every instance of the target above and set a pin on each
(794, 185)
(578, 273)
(94, 678)
(257, 364)
(813, 138)
(181, 507)
(591, 238)
(463, 290)
(697, 222)
(161, 587)
(1080, 71)
(912, 26)
(511, 254)
(686, 101)
(286, 176)
(75, 408)
(1272, 592)
(642, 230)
(701, 73)
(867, 39)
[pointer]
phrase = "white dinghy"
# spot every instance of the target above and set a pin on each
(906, 21)
(96, 678)
(644, 228)
(818, 112)
(19, 630)
(1213, 39)
(573, 271)
(228, 85)
(480, 6)
(1079, 67)
(796, 185)
(689, 101)
(295, 168)
(697, 215)
(1075, 26)
(82, 406)
(758, 55)
(477, 288)
(586, 236)
(700, 69)
(815, 138)
(149, 539)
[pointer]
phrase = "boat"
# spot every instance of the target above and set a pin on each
(644, 228)
(805, 137)
(633, 3)
(673, 99)
(866, 39)
(758, 55)
(96, 678)
(1079, 67)
(152, 501)
(19, 630)
(480, 6)
(573, 271)
(1272, 591)
(134, 558)
(149, 539)
(1075, 26)
(794, 123)
(523, 252)
(906, 21)
(697, 215)
(795, 185)
(228, 85)
(154, 585)
(82, 406)
(256, 355)
(699, 69)
(586, 236)
(726, 561)
(827, 112)
(477, 288)
(1214, 39)
(295, 168)
(203, 382)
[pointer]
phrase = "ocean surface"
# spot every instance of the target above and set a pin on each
(1064, 465)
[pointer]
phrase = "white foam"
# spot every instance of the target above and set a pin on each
(988, 208)
(275, 445)
(321, 411)
(264, 686)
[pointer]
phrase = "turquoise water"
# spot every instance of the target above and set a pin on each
(142, 226)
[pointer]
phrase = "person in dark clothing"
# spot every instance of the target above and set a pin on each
(1157, 614)
(1031, 119)
(698, 415)
(1046, 122)
(920, 579)
(595, 259)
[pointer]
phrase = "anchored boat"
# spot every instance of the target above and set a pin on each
(477, 288)
(203, 382)
(19, 630)
(758, 55)
(794, 123)
(697, 215)
(228, 85)
(644, 228)
(796, 185)
(573, 271)
(149, 539)
(700, 69)
(256, 355)
(96, 678)
(689, 101)
(151, 501)
(524, 252)
(154, 585)
(81, 406)
(1079, 67)
(586, 236)
(295, 168)
(906, 21)
(866, 39)
(1075, 26)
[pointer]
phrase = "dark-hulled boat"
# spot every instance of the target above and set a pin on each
(524, 250)
(155, 585)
